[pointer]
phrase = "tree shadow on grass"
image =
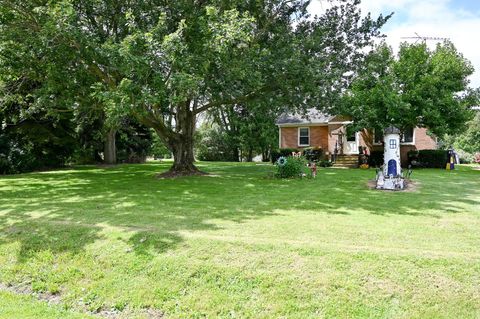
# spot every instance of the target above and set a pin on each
(37, 236)
(66, 210)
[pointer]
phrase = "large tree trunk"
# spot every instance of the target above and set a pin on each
(183, 157)
(180, 144)
(177, 136)
(250, 155)
(110, 149)
(236, 154)
(266, 155)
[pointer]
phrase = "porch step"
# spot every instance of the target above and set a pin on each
(347, 161)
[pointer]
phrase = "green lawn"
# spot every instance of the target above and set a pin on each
(239, 244)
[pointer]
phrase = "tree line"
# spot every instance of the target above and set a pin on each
(101, 80)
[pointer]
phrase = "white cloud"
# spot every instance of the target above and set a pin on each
(437, 18)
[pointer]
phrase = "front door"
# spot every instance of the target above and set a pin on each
(392, 167)
(351, 142)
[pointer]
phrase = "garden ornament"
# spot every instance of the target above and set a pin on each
(390, 177)
(313, 168)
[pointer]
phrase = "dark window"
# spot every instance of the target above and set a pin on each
(378, 137)
(407, 136)
(393, 143)
(304, 136)
(351, 134)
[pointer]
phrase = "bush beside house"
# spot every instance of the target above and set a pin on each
(375, 159)
(428, 158)
(312, 154)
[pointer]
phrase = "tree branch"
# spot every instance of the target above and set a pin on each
(156, 123)
(242, 99)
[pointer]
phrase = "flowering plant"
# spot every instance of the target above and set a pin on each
(364, 166)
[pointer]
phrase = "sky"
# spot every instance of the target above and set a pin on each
(458, 20)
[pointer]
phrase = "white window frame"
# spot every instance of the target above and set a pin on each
(392, 142)
(279, 137)
(298, 133)
(356, 139)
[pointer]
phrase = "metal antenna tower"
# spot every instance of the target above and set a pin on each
(418, 37)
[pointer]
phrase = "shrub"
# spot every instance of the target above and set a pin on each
(5, 165)
(313, 154)
(159, 150)
(285, 152)
(291, 166)
(477, 158)
(21, 155)
(215, 145)
(465, 157)
(428, 158)
(325, 163)
(375, 159)
(134, 143)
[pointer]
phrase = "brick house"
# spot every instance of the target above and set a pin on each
(316, 129)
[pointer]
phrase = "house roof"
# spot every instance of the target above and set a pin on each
(312, 116)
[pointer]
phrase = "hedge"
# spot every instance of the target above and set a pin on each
(375, 159)
(428, 158)
(313, 154)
